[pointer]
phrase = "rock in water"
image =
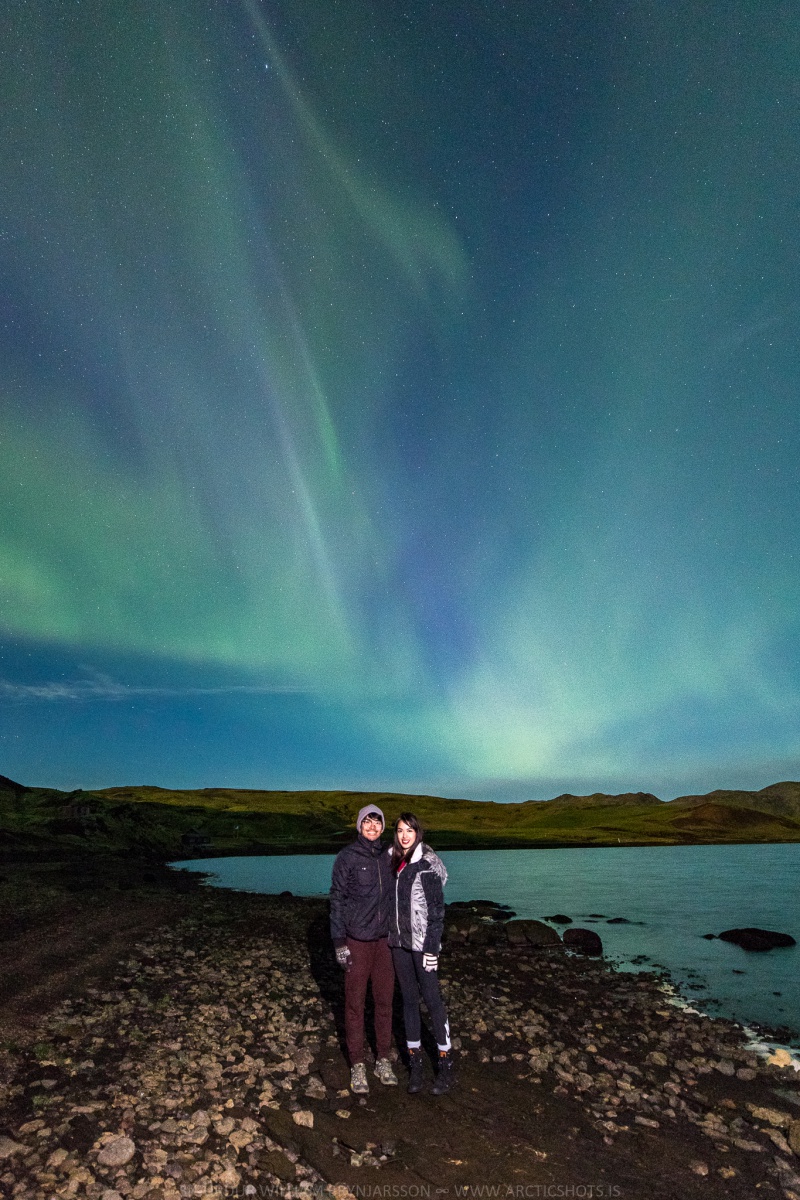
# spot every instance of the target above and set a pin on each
(583, 941)
(534, 932)
(757, 939)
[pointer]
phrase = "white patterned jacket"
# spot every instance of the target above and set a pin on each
(417, 918)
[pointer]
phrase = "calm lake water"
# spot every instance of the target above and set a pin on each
(674, 893)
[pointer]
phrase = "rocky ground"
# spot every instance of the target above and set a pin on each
(201, 1056)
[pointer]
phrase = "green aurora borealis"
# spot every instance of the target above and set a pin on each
(400, 395)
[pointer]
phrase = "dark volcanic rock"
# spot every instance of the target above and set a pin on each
(535, 933)
(757, 939)
(559, 919)
(583, 941)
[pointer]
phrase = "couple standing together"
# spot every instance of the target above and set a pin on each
(387, 914)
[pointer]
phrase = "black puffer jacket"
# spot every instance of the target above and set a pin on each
(417, 916)
(361, 892)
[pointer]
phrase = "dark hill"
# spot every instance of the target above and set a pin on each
(600, 800)
(728, 819)
(164, 823)
(782, 799)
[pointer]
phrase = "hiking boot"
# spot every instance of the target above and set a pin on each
(358, 1080)
(384, 1072)
(445, 1074)
(415, 1071)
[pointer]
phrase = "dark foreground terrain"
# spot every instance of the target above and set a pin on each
(161, 1041)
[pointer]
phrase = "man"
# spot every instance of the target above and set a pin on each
(361, 890)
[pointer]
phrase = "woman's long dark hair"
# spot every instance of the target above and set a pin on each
(399, 855)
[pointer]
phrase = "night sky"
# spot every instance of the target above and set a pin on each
(400, 395)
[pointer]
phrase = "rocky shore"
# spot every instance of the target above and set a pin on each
(203, 1058)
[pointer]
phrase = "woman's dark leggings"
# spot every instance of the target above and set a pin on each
(415, 982)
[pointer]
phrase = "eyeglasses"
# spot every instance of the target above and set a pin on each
(372, 819)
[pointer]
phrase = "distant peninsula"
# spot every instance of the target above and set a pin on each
(162, 824)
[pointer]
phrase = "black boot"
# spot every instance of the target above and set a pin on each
(445, 1073)
(415, 1074)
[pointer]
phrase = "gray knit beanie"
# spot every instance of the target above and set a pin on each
(370, 808)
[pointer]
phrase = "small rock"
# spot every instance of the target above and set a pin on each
(197, 1136)
(656, 1058)
(344, 1113)
(697, 1167)
(229, 1178)
(117, 1152)
(8, 1147)
(746, 1073)
(725, 1067)
(780, 1120)
(788, 1177)
(780, 1058)
(794, 1136)
(304, 1117)
(777, 1139)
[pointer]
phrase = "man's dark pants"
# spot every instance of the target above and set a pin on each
(369, 962)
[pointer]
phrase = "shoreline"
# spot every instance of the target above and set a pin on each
(59, 853)
(677, 942)
(208, 1045)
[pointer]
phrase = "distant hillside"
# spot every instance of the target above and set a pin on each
(783, 799)
(166, 824)
(600, 800)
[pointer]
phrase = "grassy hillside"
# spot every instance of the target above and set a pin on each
(159, 823)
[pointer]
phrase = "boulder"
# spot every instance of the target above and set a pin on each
(535, 933)
(583, 941)
(559, 919)
(757, 939)
(485, 907)
(117, 1152)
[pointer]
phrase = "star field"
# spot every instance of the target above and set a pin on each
(400, 395)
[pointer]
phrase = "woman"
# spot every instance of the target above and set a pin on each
(415, 936)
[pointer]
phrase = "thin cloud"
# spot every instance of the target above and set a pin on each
(109, 689)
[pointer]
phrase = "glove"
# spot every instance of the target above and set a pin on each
(430, 962)
(343, 957)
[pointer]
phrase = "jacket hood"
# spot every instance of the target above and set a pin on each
(431, 858)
